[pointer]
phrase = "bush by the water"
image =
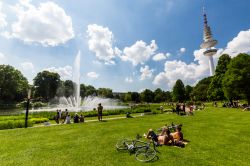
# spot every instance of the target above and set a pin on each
(11, 124)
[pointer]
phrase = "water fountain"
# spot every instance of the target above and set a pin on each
(75, 103)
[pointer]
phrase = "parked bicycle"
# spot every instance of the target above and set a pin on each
(143, 151)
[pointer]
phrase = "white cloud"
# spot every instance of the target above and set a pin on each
(239, 44)
(28, 66)
(47, 24)
(3, 22)
(129, 79)
(182, 50)
(65, 72)
(168, 54)
(139, 52)
(188, 73)
(159, 57)
(92, 75)
(146, 72)
(100, 40)
(2, 56)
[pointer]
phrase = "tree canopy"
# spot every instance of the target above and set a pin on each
(215, 91)
(237, 78)
(13, 85)
(46, 84)
(179, 91)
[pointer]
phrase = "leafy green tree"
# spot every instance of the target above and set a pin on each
(135, 97)
(168, 96)
(147, 96)
(68, 88)
(188, 91)
(127, 97)
(60, 90)
(90, 91)
(82, 90)
(105, 92)
(13, 85)
(199, 92)
(46, 84)
(159, 95)
(237, 78)
(215, 91)
(179, 91)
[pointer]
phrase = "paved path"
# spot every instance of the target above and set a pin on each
(93, 120)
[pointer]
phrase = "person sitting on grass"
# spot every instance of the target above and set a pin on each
(178, 137)
(76, 118)
(165, 138)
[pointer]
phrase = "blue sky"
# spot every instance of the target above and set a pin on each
(125, 45)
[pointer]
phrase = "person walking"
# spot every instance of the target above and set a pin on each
(99, 110)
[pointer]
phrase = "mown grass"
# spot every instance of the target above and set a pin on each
(217, 136)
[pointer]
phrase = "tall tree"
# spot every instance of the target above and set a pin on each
(158, 95)
(90, 91)
(135, 97)
(215, 91)
(188, 91)
(69, 88)
(237, 78)
(179, 91)
(46, 84)
(199, 92)
(13, 85)
(147, 96)
(105, 92)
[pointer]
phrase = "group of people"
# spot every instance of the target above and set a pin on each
(65, 118)
(166, 137)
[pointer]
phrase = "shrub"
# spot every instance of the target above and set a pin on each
(11, 124)
(39, 120)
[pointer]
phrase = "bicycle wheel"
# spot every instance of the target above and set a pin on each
(122, 144)
(145, 154)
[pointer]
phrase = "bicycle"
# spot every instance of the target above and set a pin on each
(143, 151)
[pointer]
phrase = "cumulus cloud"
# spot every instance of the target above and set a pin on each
(188, 73)
(27, 66)
(159, 57)
(65, 72)
(100, 40)
(129, 79)
(3, 22)
(92, 75)
(239, 44)
(139, 52)
(182, 50)
(47, 24)
(146, 72)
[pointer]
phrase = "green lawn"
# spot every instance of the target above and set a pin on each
(217, 137)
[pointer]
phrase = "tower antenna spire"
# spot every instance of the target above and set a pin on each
(208, 41)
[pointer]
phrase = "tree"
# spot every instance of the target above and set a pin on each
(46, 84)
(215, 91)
(147, 96)
(179, 91)
(159, 95)
(128, 97)
(135, 97)
(236, 80)
(168, 96)
(82, 90)
(199, 92)
(13, 85)
(68, 88)
(105, 92)
(90, 91)
(188, 91)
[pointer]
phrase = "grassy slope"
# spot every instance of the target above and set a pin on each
(218, 137)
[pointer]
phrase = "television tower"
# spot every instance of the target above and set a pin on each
(208, 43)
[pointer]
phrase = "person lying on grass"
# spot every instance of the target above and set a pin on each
(166, 138)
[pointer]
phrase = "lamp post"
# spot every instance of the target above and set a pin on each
(27, 108)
